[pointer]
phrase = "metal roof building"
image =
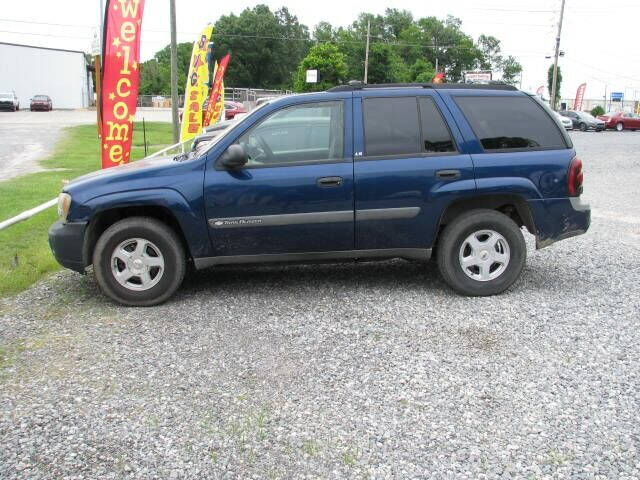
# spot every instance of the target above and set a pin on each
(62, 74)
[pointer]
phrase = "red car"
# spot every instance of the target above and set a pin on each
(231, 109)
(621, 121)
(41, 102)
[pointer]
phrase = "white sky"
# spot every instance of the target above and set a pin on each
(600, 38)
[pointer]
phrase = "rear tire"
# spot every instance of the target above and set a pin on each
(619, 126)
(495, 262)
(144, 246)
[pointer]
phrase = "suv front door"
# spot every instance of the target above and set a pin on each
(295, 194)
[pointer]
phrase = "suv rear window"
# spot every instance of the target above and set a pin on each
(511, 123)
(435, 134)
(404, 126)
(391, 126)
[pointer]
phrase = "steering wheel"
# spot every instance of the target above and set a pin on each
(265, 148)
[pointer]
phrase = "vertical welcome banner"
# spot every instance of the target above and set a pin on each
(196, 89)
(577, 103)
(120, 78)
(215, 90)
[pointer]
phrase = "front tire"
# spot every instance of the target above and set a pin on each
(619, 126)
(480, 253)
(583, 127)
(139, 261)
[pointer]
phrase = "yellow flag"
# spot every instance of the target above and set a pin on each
(195, 91)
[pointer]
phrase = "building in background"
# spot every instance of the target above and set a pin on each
(61, 74)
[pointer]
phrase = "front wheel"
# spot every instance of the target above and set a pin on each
(139, 261)
(619, 127)
(583, 127)
(482, 252)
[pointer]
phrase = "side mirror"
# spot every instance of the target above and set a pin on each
(234, 157)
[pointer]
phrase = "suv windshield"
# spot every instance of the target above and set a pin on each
(40, 97)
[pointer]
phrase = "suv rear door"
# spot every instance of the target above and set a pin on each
(408, 166)
(295, 195)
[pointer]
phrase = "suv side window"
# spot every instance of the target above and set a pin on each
(391, 126)
(435, 133)
(307, 133)
(511, 123)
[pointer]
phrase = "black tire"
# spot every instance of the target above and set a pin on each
(162, 237)
(583, 127)
(454, 236)
(619, 126)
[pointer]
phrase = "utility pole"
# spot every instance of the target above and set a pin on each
(174, 72)
(366, 53)
(97, 62)
(555, 62)
(604, 103)
(436, 53)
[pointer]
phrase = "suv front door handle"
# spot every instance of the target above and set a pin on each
(329, 181)
(448, 174)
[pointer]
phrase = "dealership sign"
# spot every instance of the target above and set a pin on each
(478, 76)
(617, 96)
(312, 76)
(120, 78)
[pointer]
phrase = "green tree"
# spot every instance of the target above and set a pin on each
(558, 82)
(266, 47)
(155, 78)
(422, 71)
(511, 70)
(331, 66)
(597, 110)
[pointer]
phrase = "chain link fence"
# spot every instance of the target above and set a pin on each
(247, 96)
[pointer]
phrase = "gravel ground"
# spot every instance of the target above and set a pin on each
(370, 370)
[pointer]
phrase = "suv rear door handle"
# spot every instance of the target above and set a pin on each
(329, 181)
(448, 174)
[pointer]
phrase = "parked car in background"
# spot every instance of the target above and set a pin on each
(231, 109)
(621, 121)
(41, 102)
(583, 121)
(565, 121)
(356, 172)
(9, 101)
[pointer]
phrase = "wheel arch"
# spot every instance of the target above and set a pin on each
(513, 206)
(105, 218)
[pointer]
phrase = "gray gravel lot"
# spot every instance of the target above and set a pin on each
(370, 370)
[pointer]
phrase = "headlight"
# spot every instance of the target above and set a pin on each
(64, 202)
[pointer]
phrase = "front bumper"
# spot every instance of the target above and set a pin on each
(556, 219)
(66, 241)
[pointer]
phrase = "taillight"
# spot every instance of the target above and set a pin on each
(575, 178)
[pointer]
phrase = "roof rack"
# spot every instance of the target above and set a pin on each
(437, 86)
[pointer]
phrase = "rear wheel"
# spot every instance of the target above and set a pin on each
(482, 252)
(619, 127)
(139, 261)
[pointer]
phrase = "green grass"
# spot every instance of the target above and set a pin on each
(25, 256)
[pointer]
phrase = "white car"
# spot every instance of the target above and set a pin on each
(566, 122)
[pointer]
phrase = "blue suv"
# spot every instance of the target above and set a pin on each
(408, 171)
